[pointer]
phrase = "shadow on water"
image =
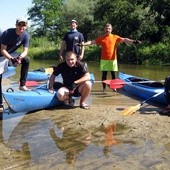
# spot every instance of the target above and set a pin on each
(32, 139)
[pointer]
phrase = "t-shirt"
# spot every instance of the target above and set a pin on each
(71, 38)
(108, 46)
(14, 41)
(70, 74)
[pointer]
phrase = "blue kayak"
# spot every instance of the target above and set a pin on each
(10, 72)
(41, 74)
(27, 101)
(143, 90)
(36, 99)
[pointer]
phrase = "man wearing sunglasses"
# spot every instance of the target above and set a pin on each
(10, 41)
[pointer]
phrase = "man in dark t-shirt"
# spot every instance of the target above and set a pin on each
(76, 80)
(10, 41)
(70, 41)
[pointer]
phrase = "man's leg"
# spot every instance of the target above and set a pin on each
(85, 89)
(1, 100)
(24, 70)
(104, 77)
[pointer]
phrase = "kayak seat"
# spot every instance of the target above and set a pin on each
(134, 79)
(156, 84)
(40, 69)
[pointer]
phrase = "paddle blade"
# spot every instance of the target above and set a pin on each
(130, 110)
(31, 83)
(107, 81)
(49, 70)
(116, 83)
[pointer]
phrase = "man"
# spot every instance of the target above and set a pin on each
(76, 80)
(166, 111)
(108, 43)
(70, 41)
(1, 100)
(10, 41)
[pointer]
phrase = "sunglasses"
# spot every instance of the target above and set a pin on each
(21, 25)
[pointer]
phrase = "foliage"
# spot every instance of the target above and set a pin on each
(41, 48)
(137, 19)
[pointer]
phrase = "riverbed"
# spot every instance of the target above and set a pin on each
(100, 138)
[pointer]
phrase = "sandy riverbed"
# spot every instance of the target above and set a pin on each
(137, 142)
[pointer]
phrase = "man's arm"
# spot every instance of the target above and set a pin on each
(5, 53)
(62, 48)
(130, 41)
(86, 77)
(24, 52)
(89, 43)
(82, 52)
(51, 83)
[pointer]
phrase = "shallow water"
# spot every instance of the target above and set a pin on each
(51, 139)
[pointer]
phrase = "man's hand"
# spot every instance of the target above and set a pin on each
(51, 90)
(137, 42)
(15, 62)
(73, 86)
(79, 44)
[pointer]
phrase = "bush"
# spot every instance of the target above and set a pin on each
(156, 54)
(41, 48)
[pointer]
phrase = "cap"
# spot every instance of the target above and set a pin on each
(73, 20)
(22, 19)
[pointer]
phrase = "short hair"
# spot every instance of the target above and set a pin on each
(71, 52)
(108, 25)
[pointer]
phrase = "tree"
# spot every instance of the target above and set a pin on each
(45, 16)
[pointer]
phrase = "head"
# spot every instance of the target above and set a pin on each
(108, 28)
(73, 24)
(71, 58)
(21, 25)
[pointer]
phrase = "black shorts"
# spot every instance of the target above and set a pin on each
(58, 85)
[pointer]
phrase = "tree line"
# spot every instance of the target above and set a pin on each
(146, 20)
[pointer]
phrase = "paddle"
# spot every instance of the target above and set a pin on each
(33, 83)
(118, 83)
(133, 109)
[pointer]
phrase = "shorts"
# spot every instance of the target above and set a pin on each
(58, 85)
(108, 65)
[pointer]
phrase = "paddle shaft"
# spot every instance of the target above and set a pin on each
(155, 95)
(114, 82)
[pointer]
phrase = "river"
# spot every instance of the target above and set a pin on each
(63, 138)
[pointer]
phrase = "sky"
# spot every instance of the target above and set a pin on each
(10, 10)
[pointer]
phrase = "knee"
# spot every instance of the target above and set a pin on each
(88, 85)
(25, 60)
(62, 94)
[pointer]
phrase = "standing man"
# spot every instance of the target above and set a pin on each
(76, 80)
(166, 111)
(1, 100)
(10, 41)
(108, 43)
(70, 41)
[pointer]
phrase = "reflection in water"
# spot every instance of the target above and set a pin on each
(72, 142)
(32, 139)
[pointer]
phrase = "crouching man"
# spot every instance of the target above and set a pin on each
(76, 80)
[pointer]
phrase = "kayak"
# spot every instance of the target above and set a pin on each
(41, 74)
(143, 90)
(36, 99)
(10, 72)
(27, 101)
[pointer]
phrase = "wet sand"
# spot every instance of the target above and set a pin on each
(99, 138)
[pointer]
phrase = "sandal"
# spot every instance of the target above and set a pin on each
(165, 111)
(85, 106)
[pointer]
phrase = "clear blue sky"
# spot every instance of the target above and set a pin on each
(10, 10)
